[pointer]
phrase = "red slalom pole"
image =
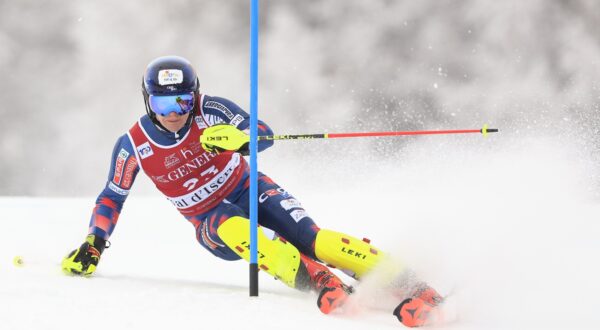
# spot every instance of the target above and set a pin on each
(484, 131)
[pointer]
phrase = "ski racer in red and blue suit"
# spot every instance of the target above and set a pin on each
(191, 146)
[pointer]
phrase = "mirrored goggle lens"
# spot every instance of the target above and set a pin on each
(164, 105)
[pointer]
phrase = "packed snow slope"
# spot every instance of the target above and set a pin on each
(508, 226)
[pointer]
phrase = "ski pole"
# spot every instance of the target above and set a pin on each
(484, 131)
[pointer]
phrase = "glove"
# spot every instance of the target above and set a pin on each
(83, 261)
(225, 137)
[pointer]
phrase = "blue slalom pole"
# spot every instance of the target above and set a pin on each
(253, 147)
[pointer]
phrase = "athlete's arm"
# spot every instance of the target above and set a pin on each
(122, 173)
(123, 169)
(218, 110)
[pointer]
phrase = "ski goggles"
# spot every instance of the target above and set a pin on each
(164, 105)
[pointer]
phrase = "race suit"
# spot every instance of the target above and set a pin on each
(207, 188)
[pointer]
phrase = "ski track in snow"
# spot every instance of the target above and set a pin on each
(511, 229)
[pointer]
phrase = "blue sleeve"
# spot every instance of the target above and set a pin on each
(121, 175)
(218, 110)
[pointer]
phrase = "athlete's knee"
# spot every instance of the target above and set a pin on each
(209, 239)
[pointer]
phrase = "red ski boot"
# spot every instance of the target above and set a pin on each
(332, 291)
(417, 310)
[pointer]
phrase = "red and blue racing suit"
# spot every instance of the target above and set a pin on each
(207, 188)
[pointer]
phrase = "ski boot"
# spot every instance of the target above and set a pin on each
(332, 291)
(420, 307)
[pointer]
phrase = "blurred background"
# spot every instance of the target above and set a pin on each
(71, 73)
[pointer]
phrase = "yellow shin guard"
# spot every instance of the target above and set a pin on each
(350, 254)
(276, 257)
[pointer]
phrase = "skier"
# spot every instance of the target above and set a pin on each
(191, 146)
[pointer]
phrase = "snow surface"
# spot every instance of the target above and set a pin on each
(509, 226)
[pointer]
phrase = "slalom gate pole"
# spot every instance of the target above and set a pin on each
(253, 147)
(484, 131)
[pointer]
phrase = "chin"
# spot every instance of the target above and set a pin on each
(171, 126)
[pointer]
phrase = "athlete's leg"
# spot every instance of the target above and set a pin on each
(281, 212)
(282, 260)
(207, 224)
(225, 232)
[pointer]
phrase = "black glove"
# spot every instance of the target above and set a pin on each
(83, 261)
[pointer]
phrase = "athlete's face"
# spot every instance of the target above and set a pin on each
(173, 122)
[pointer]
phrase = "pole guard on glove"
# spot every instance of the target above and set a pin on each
(225, 137)
(84, 260)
